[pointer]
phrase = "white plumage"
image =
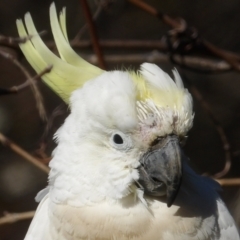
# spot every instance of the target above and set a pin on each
(116, 117)
(91, 184)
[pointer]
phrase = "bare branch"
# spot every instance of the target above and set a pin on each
(37, 94)
(15, 217)
(144, 6)
(230, 57)
(93, 34)
(149, 44)
(228, 182)
(14, 147)
(225, 142)
(194, 63)
(58, 111)
(14, 42)
(41, 151)
(27, 83)
(84, 28)
(182, 38)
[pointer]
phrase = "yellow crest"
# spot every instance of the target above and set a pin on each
(70, 71)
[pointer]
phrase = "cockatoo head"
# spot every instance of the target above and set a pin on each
(124, 129)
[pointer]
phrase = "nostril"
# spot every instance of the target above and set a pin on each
(156, 141)
(156, 180)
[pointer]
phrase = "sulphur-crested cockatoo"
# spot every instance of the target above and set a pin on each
(118, 171)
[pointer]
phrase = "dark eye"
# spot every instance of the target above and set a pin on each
(117, 139)
(121, 141)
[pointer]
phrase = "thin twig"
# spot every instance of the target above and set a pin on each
(84, 28)
(14, 42)
(93, 34)
(13, 146)
(41, 151)
(172, 22)
(58, 111)
(15, 217)
(195, 63)
(27, 83)
(37, 94)
(232, 58)
(182, 38)
(225, 142)
(144, 6)
(148, 44)
(101, 5)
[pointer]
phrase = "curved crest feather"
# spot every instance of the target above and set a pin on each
(70, 71)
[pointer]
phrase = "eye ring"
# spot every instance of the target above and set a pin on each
(121, 141)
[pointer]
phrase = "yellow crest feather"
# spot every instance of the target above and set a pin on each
(68, 73)
(172, 97)
(143, 92)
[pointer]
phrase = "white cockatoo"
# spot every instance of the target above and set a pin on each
(118, 171)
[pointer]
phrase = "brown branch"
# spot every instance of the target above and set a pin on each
(144, 6)
(181, 31)
(148, 44)
(201, 64)
(172, 22)
(58, 111)
(17, 89)
(101, 5)
(196, 63)
(14, 42)
(226, 147)
(93, 34)
(225, 142)
(14, 147)
(130, 58)
(41, 151)
(37, 94)
(228, 182)
(230, 57)
(98, 11)
(27, 83)
(15, 217)
(204, 64)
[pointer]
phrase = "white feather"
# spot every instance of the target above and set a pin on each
(228, 230)
(39, 228)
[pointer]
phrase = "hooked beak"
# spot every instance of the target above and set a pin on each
(160, 172)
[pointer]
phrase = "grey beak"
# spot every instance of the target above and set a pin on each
(160, 172)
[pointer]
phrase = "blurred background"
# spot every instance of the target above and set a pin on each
(128, 36)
